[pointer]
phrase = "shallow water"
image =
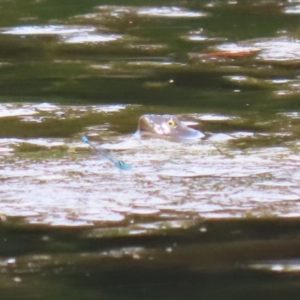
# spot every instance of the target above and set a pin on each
(211, 219)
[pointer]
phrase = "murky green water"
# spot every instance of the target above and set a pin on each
(211, 219)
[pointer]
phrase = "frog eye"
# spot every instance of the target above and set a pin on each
(171, 123)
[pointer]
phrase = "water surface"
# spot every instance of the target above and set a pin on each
(211, 219)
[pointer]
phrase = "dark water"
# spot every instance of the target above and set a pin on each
(213, 219)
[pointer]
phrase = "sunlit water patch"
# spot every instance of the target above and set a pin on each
(213, 117)
(196, 37)
(200, 36)
(48, 29)
(268, 49)
(38, 112)
(160, 11)
(93, 38)
(91, 190)
(278, 266)
(291, 115)
(137, 68)
(67, 33)
(61, 181)
(11, 110)
(243, 63)
(173, 11)
(280, 49)
(121, 17)
(292, 9)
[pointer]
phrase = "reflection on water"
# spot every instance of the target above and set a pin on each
(275, 49)
(206, 258)
(69, 34)
(175, 12)
(128, 42)
(210, 219)
(60, 182)
(51, 29)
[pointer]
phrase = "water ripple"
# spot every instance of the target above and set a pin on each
(168, 181)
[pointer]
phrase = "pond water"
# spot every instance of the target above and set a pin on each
(216, 218)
